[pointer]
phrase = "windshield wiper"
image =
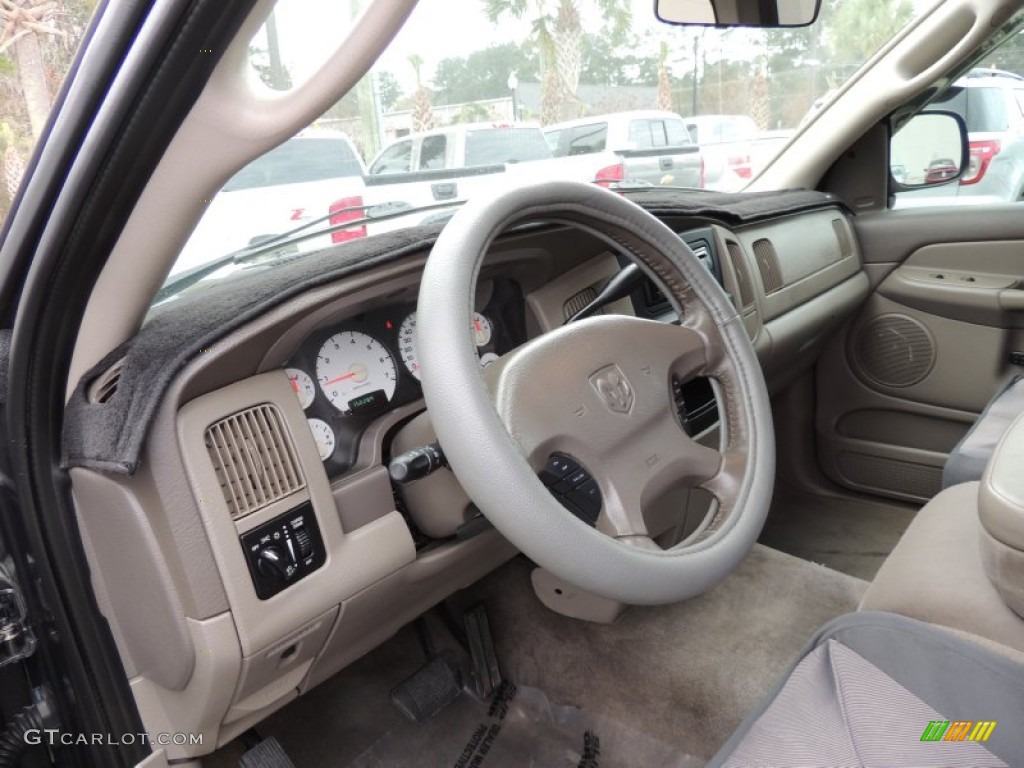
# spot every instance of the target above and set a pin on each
(395, 209)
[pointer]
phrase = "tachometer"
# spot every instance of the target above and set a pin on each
(324, 437)
(482, 332)
(302, 385)
(352, 365)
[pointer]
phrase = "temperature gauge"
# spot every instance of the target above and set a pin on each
(302, 385)
(324, 437)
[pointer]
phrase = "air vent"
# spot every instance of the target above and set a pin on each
(580, 300)
(739, 266)
(768, 264)
(843, 238)
(105, 387)
(254, 458)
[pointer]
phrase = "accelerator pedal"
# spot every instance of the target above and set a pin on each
(429, 690)
(267, 754)
(486, 672)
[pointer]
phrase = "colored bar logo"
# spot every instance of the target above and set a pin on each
(958, 730)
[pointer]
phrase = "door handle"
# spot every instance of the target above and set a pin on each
(444, 191)
(666, 163)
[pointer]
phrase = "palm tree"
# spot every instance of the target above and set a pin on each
(664, 81)
(24, 23)
(558, 34)
(422, 117)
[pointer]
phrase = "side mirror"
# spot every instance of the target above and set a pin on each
(928, 150)
(738, 13)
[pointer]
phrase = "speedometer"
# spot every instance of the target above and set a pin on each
(481, 328)
(352, 366)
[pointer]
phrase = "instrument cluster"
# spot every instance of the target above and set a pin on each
(347, 375)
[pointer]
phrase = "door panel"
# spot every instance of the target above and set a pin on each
(904, 381)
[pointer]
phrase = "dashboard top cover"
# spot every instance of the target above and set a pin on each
(110, 435)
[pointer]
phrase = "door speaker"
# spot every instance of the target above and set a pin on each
(895, 350)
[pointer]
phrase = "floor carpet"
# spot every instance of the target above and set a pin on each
(682, 675)
(848, 535)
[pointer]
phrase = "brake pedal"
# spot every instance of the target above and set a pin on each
(436, 685)
(267, 754)
(486, 672)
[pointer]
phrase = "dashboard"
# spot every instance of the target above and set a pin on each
(348, 374)
(271, 548)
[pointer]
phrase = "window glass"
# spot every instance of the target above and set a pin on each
(586, 139)
(676, 133)
(432, 152)
(640, 133)
(299, 160)
(394, 159)
(493, 146)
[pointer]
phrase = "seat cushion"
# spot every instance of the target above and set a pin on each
(874, 689)
(968, 459)
(935, 573)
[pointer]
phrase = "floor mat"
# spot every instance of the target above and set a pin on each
(519, 727)
(848, 535)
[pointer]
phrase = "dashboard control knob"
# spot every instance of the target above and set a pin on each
(416, 464)
(273, 564)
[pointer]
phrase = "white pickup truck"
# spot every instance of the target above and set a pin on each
(289, 187)
(652, 146)
(452, 164)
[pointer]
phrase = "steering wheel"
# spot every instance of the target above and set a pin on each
(600, 392)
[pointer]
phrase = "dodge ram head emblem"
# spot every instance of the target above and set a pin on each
(613, 387)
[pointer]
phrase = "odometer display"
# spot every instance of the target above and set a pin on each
(351, 364)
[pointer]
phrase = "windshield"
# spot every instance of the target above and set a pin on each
(589, 90)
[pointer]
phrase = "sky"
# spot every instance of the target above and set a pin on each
(437, 29)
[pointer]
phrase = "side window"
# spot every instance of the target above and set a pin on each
(395, 159)
(991, 104)
(553, 138)
(658, 137)
(432, 153)
(640, 133)
(587, 139)
(675, 133)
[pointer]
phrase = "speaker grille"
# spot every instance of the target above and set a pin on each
(895, 350)
(768, 264)
(843, 238)
(739, 266)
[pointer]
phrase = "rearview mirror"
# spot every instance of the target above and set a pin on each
(928, 150)
(738, 13)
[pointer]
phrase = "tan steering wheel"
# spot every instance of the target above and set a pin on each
(600, 392)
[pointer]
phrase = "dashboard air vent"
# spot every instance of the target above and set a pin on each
(578, 301)
(105, 387)
(739, 266)
(843, 238)
(254, 458)
(768, 264)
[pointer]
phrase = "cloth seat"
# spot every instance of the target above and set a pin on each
(886, 691)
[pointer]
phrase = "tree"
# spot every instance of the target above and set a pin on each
(422, 117)
(483, 74)
(389, 89)
(664, 81)
(558, 34)
(858, 28)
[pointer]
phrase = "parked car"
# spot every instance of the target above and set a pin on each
(653, 146)
(725, 144)
(458, 162)
(278, 192)
(991, 102)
